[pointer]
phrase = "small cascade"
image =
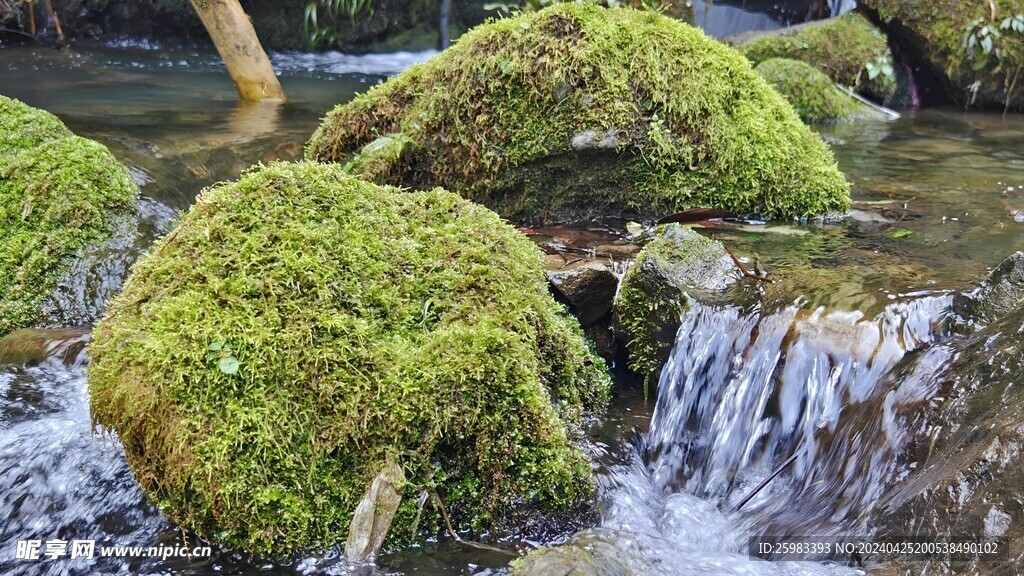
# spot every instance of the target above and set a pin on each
(61, 481)
(721, 18)
(743, 392)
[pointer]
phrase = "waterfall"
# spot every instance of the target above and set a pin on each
(721, 18)
(742, 392)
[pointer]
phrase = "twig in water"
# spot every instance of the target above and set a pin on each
(1009, 91)
(18, 32)
(743, 269)
(448, 524)
(765, 482)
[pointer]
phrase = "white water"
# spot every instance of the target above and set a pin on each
(60, 481)
(740, 394)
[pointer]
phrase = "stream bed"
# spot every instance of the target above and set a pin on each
(938, 201)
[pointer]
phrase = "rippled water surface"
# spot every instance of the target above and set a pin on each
(938, 200)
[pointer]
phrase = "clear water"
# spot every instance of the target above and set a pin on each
(937, 201)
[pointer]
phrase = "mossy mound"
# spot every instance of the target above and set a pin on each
(302, 328)
(938, 32)
(59, 195)
(812, 94)
(843, 48)
(676, 265)
(579, 111)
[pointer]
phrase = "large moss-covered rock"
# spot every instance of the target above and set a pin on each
(938, 34)
(677, 264)
(60, 196)
(302, 330)
(579, 111)
(812, 94)
(843, 48)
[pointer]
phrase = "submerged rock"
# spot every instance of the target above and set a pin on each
(812, 94)
(301, 330)
(578, 111)
(843, 48)
(966, 468)
(676, 265)
(956, 68)
(62, 198)
(1000, 293)
(33, 346)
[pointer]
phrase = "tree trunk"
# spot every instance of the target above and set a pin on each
(236, 41)
(443, 29)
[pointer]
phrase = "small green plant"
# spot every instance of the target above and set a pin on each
(982, 39)
(226, 361)
(881, 66)
(333, 9)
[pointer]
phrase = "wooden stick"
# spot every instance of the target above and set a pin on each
(765, 482)
(448, 523)
(746, 272)
(32, 18)
(888, 112)
(56, 22)
(1009, 91)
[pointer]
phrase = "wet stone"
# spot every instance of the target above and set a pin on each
(33, 346)
(995, 297)
(589, 287)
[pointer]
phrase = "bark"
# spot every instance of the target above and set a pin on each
(236, 41)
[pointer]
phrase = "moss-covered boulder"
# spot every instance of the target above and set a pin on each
(60, 196)
(302, 329)
(812, 94)
(972, 52)
(579, 111)
(849, 49)
(676, 265)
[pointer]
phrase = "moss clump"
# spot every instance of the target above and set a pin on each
(301, 328)
(578, 111)
(812, 94)
(842, 48)
(935, 31)
(59, 195)
(675, 265)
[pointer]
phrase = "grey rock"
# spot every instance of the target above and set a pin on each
(594, 140)
(995, 297)
(589, 286)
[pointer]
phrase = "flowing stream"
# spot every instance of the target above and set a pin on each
(937, 201)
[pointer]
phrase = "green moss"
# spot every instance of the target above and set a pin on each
(59, 195)
(23, 127)
(368, 324)
(812, 94)
(502, 118)
(934, 31)
(842, 48)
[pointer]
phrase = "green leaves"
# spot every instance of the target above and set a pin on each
(228, 365)
(982, 41)
(226, 362)
(334, 9)
(881, 66)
